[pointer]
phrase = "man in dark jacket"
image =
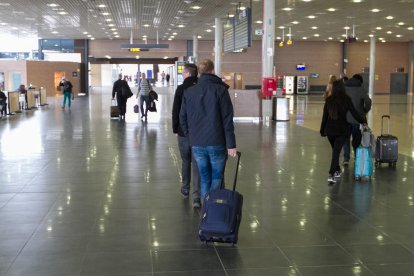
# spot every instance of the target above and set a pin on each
(362, 104)
(117, 88)
(206, 117)
(187, 171)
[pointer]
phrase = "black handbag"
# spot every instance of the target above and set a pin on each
(152, 107)
(126, 91)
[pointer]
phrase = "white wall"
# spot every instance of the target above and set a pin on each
(106, 75)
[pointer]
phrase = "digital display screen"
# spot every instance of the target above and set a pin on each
(300, 67)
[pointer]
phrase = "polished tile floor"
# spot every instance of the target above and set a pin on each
(81, 194)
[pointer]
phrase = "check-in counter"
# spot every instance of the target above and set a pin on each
(43, 96)
(31, 102)
(246, 103)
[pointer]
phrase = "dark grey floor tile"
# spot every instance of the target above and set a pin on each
(122, 243)
(185, 260)
(46, 264)
(234, 258)
(192, 273)
(5, 262)
(116, 263)
(11, 246)
(280, 271)
(335, 270)
(56, 245)
(392, 269)
(318, 255)
(381, 254)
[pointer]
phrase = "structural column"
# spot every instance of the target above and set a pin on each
(410, 70)
(268, 39)
(372, 68)
(195, 48)
(218, 46)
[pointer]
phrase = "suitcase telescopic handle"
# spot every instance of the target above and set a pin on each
(382, 123)
(237, 170)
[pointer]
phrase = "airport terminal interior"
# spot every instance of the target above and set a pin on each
(82, 194)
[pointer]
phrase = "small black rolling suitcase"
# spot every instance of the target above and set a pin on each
(386, 150)
(221, 214)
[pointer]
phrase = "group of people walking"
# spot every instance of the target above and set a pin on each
(144, 89)
(345, 108)
(202, 118)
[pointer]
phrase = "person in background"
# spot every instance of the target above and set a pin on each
(206, 118)
(117, 89)
(335, 126)
(167, 78)
(362, 103)
(67, 93)
(144, 87)
(23, 91)
(189, 167)
(328, 89)
(3, 101)
(162, 77)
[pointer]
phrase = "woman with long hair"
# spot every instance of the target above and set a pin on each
(335, 125)
(328, 89)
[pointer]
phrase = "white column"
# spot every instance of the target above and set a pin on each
(195, 48)
(268, 44)
(372, 68)
(410, 70)
(218, 48)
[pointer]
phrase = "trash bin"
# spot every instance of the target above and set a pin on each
(280, 109)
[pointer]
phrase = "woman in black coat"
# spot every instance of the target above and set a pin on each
(335, 125)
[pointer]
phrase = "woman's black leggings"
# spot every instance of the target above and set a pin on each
(336, 143)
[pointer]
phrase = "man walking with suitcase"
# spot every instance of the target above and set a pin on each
(206, 117)
(188, 167)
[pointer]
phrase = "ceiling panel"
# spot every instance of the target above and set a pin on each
(115, 19)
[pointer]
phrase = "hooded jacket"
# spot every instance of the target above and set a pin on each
(359, 97)
(206, 115)
(178, 97)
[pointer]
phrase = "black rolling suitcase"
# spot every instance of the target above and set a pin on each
(386, 150)
(221, 214)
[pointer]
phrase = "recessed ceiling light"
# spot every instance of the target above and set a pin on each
(62, 13)
(89, 35)
(401, 23)
(146, 25)
(317, 35)
(3, 23)
(304, 38)
(113, 29)
(295, 22)
(55, 32)
(314, 27)
(398, 35)
(242, 8)
(278, 38)
(381, 38)
(365, 41)
(199, 36)
(111, 25)
(101, 6)
(331, 9)
(389, 32)
(287, 9)
(105, 13)
(311, 17)
(375, 10)
(170, 39)
(137, 57)
(117, 36)
(344, 35)
(306, 0)
(208, 30)
(389, 17)
(165, 57)
(231, 15)
(341, 40)
(281, 27)
(378, 28)
(108, 20)
(330, 38)
(181, 26)
(174, 33)
(383, 41)
(92, 38)
(357, 1)
(259, 22)
(347, 27)
(144, 36)
(410, 28)
(53, 5)
(196, 7)
(371, 35)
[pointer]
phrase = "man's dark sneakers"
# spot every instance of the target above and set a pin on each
(197, 203)
(184, 192)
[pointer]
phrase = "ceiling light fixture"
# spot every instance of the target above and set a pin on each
(389, 17)
(259, 22)
(196, 7)
(314, 28)
(401, 23)
(295, 22)
(331, 9)
(287, 9)
(375, 10)
(410, 28)
(311, 17)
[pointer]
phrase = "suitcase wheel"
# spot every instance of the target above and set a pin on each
(357, 178)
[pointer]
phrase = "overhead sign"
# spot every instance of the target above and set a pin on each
(144, 46)
(134, 50)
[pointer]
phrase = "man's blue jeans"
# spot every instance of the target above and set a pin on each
(210, 161)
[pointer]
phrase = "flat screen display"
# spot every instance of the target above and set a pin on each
(300, 67)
